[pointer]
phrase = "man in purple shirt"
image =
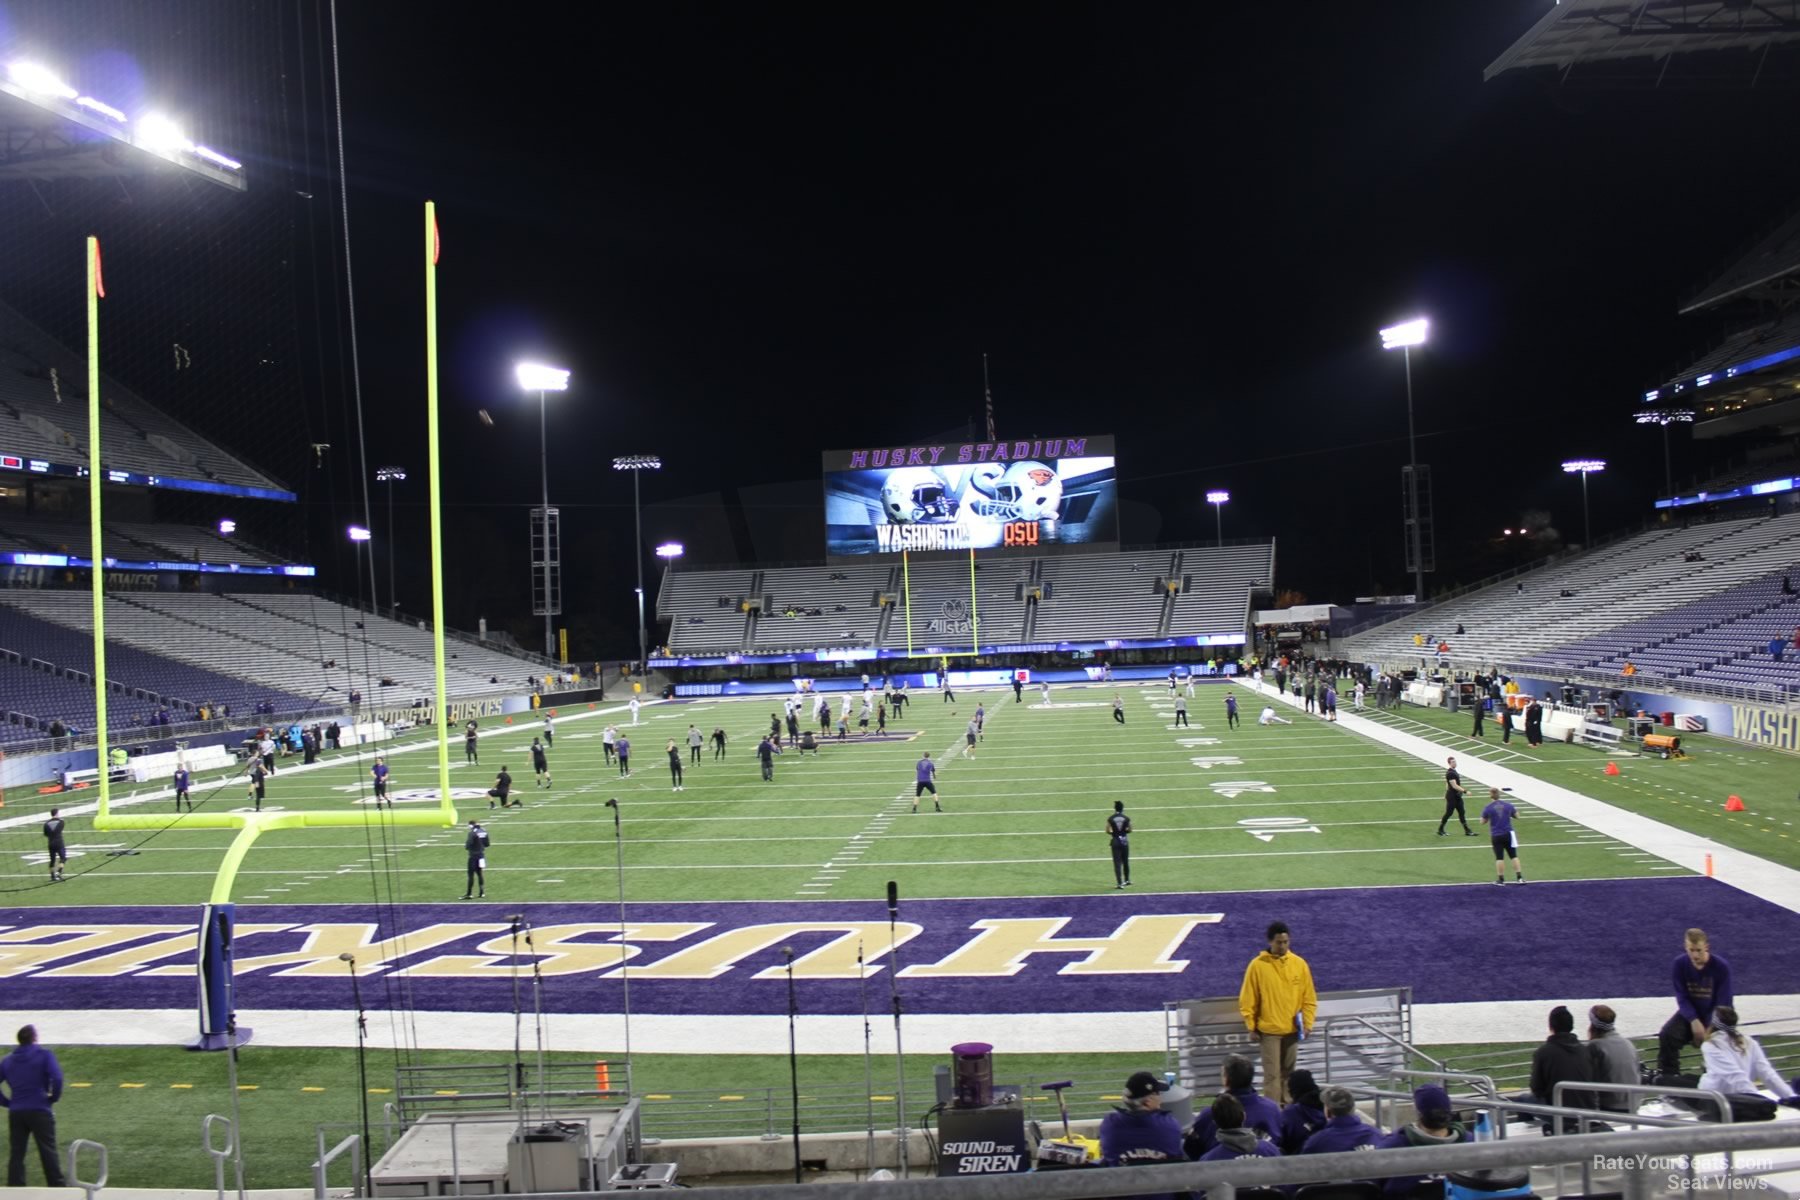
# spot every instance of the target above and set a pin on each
(182, 780)
(1344, 1130)
(33, 1081)
(622, 748)
(1498, 817)
(1256, 1112)
(925, 780)
(1702, 982)
(380, 773)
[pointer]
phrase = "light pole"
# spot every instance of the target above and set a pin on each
(1404, 337)
(535, 377)
(637, 463)
(391, 476)
(1217, 499)
(1666, 418)
(1585, 467)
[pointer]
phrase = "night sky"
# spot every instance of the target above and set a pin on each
(754, 232)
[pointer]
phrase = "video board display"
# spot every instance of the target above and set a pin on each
(1019, 497)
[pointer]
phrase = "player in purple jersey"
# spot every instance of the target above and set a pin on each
(925, 780)
(1498, 817)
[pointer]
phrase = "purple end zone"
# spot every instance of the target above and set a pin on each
(1542, 941)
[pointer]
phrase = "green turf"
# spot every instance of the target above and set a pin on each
(1688, 793)
(1022, 817)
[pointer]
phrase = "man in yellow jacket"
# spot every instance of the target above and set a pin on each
(1279, 1005)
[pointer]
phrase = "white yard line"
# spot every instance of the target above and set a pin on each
(1746, 872)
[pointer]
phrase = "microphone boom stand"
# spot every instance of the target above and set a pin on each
(893, 900)
(362, 1073)
(624, 959)
(794, 1061)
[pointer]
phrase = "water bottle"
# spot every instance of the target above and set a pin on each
(1484, 1130)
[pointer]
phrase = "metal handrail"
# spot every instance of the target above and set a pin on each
(75, 1147)
(353, 1144)
(1221, 1180)
(1379, 1032)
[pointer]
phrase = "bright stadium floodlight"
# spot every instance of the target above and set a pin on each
(227, 526)
(669, 550)
(1407, 333)
(1584, 467)
(1217, 499)
(535, 377)
(637, 464)
(1403, 337)
(359, 534)
(217, 159)
(158, 132)
(104, 109)
(40, 80)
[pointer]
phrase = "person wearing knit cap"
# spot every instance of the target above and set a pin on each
(1233, 1140)
(1304, 1116)
(1561, 1058)
(1615, 1058)
(1434, 1127)
(1736, 1064)
(1261, 1115)
(1344, 1129)
(1140, 1132)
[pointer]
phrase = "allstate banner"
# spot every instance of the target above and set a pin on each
(1102, 952)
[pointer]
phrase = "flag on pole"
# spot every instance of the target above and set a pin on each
(988, 393)
(437, 240)
(99, 281)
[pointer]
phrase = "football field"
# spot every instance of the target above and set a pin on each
(1010, 928)
(1214, 808)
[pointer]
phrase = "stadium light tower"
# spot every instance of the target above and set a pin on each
(391, 476)
(1403, 337)
(1217, 499)
(535, 377)
(637, 464)
(1584, 467)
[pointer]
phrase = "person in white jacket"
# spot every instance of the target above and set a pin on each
(1736, 1064)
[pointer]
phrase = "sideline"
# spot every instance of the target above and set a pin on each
(1758, 877)
(1133, 1032)
(342, 758)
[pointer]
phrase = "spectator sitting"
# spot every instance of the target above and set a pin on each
(1257, 1112)
(1615, 1058)
(1344, 1128)
(1561, 1059)
(1303, 1117)
(1565, 593)
(1140, 1131)
(1736, 1064)
(1232, 1139)
(1433, 1128)
(1787, 586)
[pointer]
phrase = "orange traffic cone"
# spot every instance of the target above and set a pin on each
(1734, 804)
(1709, 873)
(1612, 768)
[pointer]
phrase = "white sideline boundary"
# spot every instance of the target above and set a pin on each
(1757, 876)
(839, 1034)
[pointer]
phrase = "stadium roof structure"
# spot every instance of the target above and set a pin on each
(1770, 270)
(1640, 39)
(46, 138)
(1751, 380)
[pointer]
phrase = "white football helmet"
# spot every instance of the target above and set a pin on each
(913, 494)
(1025, 491)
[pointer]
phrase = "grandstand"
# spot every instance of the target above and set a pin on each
(714, 612)
(1519, 620)
(176, 652)
(43, 415)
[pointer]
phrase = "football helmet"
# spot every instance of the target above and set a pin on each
(913, 494)
(1024, 491)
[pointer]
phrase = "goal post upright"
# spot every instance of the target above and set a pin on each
(447, 809)
(97, 568)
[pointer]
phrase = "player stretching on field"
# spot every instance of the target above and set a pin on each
(925, 780)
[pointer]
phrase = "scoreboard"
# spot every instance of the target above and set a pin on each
(1039, 496)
